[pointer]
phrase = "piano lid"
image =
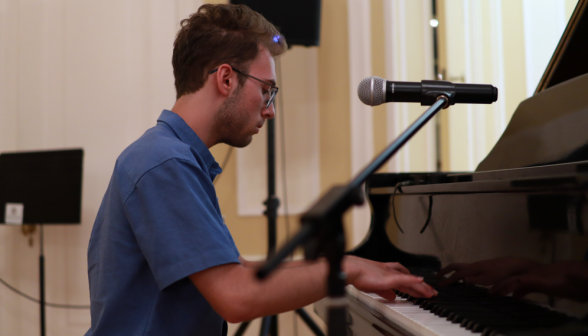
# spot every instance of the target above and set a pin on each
(551, 127)
(569, 59)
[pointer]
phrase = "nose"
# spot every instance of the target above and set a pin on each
(269, 112)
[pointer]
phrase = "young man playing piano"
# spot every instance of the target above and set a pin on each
(161, 261)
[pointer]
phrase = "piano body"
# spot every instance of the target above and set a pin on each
(528, 198)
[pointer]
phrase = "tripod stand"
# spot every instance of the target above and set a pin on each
(269, 324)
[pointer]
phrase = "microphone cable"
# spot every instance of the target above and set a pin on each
(398, 187)
(224, 164)
(53, 305)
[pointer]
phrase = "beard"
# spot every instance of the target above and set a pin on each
(230, 122)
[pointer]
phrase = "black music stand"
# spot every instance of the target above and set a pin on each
(41, 188)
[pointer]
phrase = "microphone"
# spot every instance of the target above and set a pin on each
(374, 91)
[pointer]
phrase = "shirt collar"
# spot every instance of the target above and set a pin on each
(187, 135)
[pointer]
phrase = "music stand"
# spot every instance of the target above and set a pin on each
(41, 188)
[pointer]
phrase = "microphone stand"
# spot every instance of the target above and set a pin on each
(269, 324)
(322, 225)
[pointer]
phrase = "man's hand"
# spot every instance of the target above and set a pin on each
(487, 272)
(382, 278)
(568, 279)
(237, 295)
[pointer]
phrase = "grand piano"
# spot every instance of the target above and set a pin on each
(528, 198)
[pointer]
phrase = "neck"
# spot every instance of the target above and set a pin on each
(198, 110)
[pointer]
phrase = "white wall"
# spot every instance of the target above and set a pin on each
(361, 121)
(297, 135)
(504, 43)
(409, 57)
(89, 74)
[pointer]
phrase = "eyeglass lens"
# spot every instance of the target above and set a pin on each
(273, 94)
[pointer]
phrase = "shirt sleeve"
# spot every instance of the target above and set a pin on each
(175, 217)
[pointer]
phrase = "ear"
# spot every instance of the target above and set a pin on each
(225, 79)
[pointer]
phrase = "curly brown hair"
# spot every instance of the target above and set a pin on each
(219, 34)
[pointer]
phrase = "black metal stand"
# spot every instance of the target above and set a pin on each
(269, 324)
(322, 229)
(42, 280)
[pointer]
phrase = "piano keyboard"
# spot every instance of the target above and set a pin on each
(406, 317)
(457, 310)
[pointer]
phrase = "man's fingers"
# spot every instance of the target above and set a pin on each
(418, 290)
(398, 267)
(451, 268)
(387, 294)
(396, 281)
(414, 286)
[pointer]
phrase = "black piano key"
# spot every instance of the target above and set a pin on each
(443, 312)
(470, 325)
(426, 305)
(487, 331)
(454, 317)
(436, 309)
(478, 327)
(474, 309)
(503, 323)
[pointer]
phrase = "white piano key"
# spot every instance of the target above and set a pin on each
(409, 316)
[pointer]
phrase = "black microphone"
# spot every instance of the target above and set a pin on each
(374, 91)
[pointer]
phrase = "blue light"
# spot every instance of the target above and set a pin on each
(277, 38)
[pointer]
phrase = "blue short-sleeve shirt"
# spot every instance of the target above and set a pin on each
(158, 223)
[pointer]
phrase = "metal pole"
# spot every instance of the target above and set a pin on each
(42, 281)
(272, 203)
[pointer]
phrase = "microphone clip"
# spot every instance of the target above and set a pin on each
(433, 90)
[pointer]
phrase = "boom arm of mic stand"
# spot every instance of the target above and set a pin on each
(330, 203)
(322, 224)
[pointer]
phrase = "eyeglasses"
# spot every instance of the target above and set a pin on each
(273, 89)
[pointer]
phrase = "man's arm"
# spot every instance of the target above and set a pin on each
(237, 295)
(297, 263)
(258, 264)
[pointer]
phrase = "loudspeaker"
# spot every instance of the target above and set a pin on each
(298, 20)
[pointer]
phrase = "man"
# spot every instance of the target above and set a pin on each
(161, 261)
